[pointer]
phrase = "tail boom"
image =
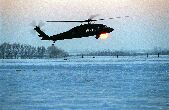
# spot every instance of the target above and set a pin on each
(41, 33)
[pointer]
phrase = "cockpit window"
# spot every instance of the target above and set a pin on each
(87, 30)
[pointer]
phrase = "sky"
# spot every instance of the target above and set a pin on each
(146, 28)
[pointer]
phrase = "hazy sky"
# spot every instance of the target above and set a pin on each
(147, 27)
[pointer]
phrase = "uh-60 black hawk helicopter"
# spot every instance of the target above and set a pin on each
(84, 30)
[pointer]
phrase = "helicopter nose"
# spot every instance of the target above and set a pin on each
(111, 29)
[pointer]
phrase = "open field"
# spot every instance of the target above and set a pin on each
(126, 83)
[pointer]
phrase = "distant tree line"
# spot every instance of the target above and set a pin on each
(23, 51)
(127, 53)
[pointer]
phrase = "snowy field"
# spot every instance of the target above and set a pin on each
(101, 83)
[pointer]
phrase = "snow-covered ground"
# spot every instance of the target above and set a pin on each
(100, 83)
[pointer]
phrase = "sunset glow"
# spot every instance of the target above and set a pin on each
(104, 36)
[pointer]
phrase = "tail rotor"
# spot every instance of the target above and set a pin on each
(34, 24)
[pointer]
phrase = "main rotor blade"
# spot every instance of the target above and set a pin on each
(101, 19)
(93, 16)
(118, 17)
(73, 21)
(90, 19)
(64, 21)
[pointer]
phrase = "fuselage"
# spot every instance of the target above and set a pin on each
(84, 30)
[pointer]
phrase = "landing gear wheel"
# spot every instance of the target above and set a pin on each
(97, 36)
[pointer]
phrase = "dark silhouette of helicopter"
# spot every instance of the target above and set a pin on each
(84, 30)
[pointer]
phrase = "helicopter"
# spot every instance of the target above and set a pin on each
(84, 30)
